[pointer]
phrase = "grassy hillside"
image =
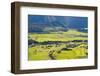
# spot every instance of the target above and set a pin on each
(71, 49)
(59, 36)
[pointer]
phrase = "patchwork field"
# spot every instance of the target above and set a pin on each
(71, 44)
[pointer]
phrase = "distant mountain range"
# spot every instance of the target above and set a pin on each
(47, 24)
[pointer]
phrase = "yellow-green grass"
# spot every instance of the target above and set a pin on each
(38, 53)
(65, 36)
(74, 54)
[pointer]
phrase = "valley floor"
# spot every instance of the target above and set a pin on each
(58, 46)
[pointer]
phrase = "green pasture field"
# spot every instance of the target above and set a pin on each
(58, 51)
(61, 36)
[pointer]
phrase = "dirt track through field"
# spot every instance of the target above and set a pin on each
(51, 57)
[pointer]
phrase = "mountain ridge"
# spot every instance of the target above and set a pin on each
(40, 24)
